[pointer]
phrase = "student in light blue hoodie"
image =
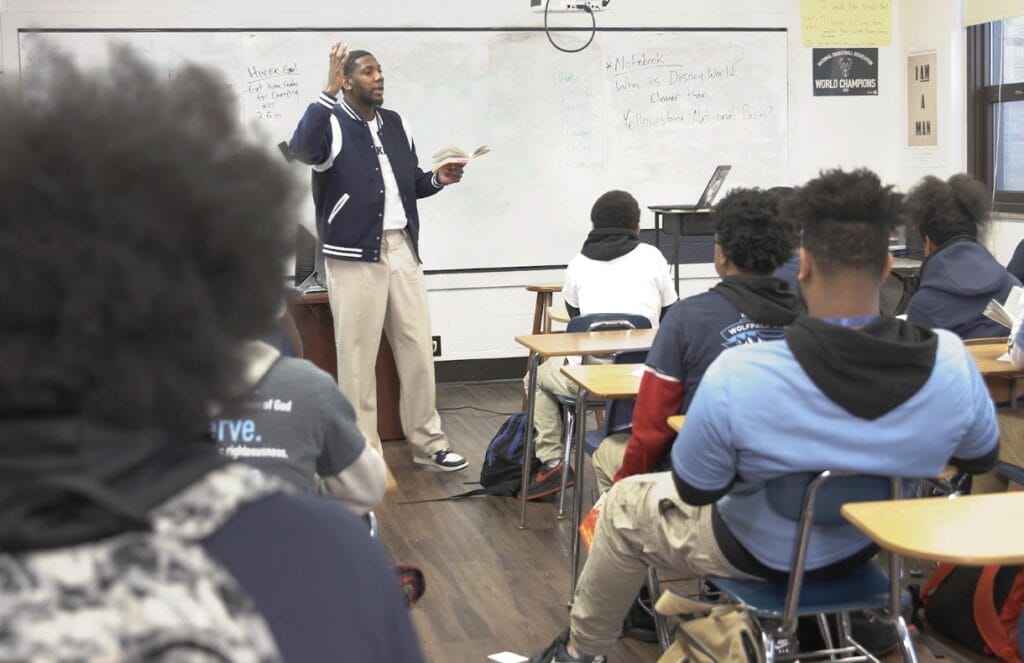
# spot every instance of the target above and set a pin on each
(959, 276)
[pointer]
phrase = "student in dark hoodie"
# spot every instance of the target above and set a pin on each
(613, 273)
(143, 240)
(749, 305)
(848, 389)
(959, 276)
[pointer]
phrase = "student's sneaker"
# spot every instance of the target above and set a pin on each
(548, 481)
(557, 652)
(444, 460)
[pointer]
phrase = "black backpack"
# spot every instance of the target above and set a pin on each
(502, 469)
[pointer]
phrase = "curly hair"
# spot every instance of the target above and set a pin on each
(750, 231)
(944, 210)
(615, 209)
(142, 238)
(845, 219)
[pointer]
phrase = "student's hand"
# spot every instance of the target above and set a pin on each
(450, 173)
(336, 69)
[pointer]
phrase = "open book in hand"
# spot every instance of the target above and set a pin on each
(1009, 312)
(452, 154)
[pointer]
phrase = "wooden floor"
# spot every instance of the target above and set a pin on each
(491, 587)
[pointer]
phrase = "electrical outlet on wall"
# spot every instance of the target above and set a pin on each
(568, 5)
(435, 342)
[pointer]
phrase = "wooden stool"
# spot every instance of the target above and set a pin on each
(545, 292)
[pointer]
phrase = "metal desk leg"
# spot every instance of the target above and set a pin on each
(528, 444)
(577, 503)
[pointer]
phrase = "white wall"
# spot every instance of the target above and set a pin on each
(477, 315)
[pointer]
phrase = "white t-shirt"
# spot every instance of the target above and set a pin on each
(637, 282)
(394, 211)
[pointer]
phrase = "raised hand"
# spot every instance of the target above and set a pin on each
(336, 68)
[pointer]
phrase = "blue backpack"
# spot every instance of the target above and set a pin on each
(502, 469)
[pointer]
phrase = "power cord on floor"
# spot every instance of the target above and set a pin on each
(478, 409)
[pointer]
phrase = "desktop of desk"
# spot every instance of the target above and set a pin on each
(972, 529)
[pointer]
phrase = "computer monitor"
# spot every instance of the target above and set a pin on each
(714, 186)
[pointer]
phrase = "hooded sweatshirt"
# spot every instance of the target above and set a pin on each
(957, 281)
(739, 310)
(617, 273)
(890, 399)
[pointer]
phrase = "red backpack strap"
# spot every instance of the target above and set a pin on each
(987, 619)
(940, 573)
(1009, 616)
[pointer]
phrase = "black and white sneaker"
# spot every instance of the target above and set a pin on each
(444, 460)
(558, 652)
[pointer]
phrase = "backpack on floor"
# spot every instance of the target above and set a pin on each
(502, 469)
(978, 607)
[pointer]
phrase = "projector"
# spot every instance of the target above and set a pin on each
(569, 5)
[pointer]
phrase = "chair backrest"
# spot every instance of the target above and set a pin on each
(787, 495)
(619, 413)
(816, 499)
(607, 322)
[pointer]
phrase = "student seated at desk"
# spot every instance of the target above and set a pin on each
(142, 239)
(958, 276)
(294, 423)
(808, 403)
(1011, 426)
(613, 273)
(749, 305)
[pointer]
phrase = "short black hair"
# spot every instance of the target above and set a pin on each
(350, 64)
(750, 232)
(142, 239)
(845, 219)
(615, 209)
(944, 210)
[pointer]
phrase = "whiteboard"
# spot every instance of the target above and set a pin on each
(648, 111)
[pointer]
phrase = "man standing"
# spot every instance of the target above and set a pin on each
(847, 389)
(366, 180)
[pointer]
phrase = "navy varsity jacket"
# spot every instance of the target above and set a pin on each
(348, 188)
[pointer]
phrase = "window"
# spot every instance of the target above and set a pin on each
(995, 110)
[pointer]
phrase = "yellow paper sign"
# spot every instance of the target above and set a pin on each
(846, 22)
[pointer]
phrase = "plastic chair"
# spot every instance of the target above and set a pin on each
(810, 499)
(584, 323)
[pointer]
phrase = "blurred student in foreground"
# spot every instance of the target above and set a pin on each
(142, 242)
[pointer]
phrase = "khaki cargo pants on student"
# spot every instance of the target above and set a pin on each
(643, 523)
(547, 411)
(367, 297)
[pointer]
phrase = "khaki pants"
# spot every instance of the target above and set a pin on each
(367, 297)
(1011, 450)
(547, 411)
(643, 523)
(608, 459)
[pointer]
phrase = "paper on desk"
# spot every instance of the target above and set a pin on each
(507, 657)
(637, 372)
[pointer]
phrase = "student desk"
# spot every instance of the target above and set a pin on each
(586, 344)
(976, 530)
(675, 422)
(999, 375)
(602, 382)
